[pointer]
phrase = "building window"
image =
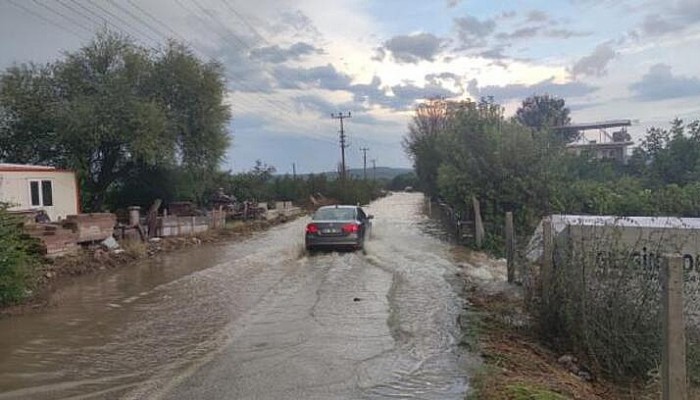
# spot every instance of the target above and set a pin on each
(34, 188)
(41, 193)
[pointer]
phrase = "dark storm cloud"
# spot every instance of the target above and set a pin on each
(434, 79)
(674, 17)
(656, 25)
(276, 54)
(521, 91)
(537, 23)
(413, 48)
(537, 16)
(405, 95)
(323, 77)
(495, 53)
(473, 32)
(596, 63)
(563, 33)
(244, 74)
(660, 84)
(521, 33)
(295, 23)
(322, 106)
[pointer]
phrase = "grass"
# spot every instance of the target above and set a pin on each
(516, 366)
(523, 391)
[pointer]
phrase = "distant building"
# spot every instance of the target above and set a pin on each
(36, 187)
(601, 143)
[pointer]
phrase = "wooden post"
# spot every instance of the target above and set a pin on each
(510, 247)
(547, 257)
(478, 224)
(152, 218)
(673, 367)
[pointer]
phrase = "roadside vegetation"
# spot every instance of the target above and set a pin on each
(136, 124)
(465, 150)
(18, 261)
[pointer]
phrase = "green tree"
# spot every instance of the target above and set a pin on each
(421, 142)
(545, 112)
(192, 94)
(106, 119)
(27, 116)
(112, 110)
(403, 180)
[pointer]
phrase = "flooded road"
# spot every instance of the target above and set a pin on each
(256, 319)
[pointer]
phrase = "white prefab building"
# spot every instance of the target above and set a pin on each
(35, 187)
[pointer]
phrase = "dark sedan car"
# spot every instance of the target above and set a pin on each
(338, 227)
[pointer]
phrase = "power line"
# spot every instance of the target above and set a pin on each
(221, 25)
(64, 16)
(109, 13)
(45, 19)
(138, 19)
(271, 102)
(156, 20)
(104, 20)
(110, 18)
(242, 18)
(341, 117)
(364, 151)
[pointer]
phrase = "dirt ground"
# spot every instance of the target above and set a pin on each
(516, 364)
(95, 258)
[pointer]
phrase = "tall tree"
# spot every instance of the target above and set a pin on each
(193, 95)
(106, 120)
(27, 116)
(544, 113)
(421, 143)
(114, 109)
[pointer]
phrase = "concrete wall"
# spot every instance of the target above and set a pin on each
(282, 209)
(644, 245)
(15, 189)
(94, 227)
(182, 226)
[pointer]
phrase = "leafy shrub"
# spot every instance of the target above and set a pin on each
(17, 259)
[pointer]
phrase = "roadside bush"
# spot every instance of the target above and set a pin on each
(17, 259)
(604, 305)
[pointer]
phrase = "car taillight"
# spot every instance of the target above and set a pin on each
(351, 228)
(312, 228)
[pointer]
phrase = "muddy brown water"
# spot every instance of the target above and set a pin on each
(256, 319)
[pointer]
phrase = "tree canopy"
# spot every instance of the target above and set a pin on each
(112, 108)
(544, 113)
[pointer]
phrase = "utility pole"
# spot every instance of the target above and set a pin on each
(364, 161)
(374, 169)
(343, 145)
(294, 170)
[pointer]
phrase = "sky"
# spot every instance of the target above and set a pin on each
(290, 64)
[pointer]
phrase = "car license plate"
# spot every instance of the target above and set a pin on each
(329, 230)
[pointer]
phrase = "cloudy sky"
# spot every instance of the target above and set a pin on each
(291, 63)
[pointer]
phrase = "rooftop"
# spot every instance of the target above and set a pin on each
(27, 168)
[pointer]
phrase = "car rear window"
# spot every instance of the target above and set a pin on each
(334, 214)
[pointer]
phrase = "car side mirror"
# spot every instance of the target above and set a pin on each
(370, 216)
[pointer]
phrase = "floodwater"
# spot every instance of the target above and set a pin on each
(256, 319)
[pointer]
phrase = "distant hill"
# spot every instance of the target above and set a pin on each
(382, 173)
(387, 173)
